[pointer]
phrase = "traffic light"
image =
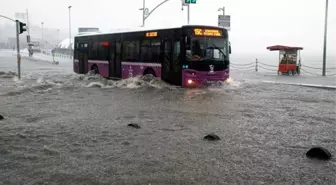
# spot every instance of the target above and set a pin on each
(190, 1)
(22, 27)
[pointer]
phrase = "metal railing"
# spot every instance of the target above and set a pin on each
(258, 66)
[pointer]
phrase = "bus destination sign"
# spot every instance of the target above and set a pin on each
(151, 34)
(207, 32)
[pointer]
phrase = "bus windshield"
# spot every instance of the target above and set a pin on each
(207, 49)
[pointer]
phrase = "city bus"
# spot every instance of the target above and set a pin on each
(186, 56)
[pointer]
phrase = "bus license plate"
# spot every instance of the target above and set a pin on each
(210, 82)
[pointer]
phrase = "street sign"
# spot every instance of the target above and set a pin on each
(224, 21)
(190, 1)
(20, 15)
(81, 30)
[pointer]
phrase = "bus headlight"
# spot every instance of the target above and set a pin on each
(190, 82)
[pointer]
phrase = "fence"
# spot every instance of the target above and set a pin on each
(60, 55)
(256, 66)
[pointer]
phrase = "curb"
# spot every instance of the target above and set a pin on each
(329, 87)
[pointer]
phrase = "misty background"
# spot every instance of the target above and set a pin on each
(255, 24)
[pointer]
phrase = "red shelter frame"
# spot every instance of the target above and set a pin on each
(289, 63)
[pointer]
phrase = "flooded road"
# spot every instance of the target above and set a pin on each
(63, 128)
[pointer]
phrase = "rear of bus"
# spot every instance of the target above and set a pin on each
(206, 56)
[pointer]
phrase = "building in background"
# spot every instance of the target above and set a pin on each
(66, 47)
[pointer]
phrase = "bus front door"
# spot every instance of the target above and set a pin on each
(83, 58)
(111, 59)
(117, 59)
(114, 60)
(166, 55)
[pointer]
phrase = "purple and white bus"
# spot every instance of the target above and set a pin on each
(187, 56)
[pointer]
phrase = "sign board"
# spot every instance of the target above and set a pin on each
(83, 30)
(28, 38)
(152, 34)
(20, 15)
(224, 21)
(207, 32)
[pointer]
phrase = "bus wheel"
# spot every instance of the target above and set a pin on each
(149, 71)
(290, 72)
(95, 69)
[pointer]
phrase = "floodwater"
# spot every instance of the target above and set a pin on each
(63, 128)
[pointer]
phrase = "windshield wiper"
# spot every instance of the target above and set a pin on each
(219, 50)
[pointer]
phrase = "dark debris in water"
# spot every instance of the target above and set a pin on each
(319, 153)
(212, 137)
(126, 143)
(49, 151)
(1, 117)
(134, 125)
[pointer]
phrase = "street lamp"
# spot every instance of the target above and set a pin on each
(222, 9)
(325, 40)
(69, 28)
(58, 30)
(42, 30)
(145, 11)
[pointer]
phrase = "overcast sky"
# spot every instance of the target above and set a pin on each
(255, 23)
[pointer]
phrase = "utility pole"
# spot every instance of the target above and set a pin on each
(325, 41)
(28, 35)
(144, 12)
(188, 14)
(42, 30)
(69, 29)
(58, 30)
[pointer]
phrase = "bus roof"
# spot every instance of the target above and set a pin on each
(138, 29)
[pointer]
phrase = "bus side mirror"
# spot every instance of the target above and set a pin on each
(230, 49)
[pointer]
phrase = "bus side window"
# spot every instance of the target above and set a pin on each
(102, 52)
(155, 48)
(131, 50)
(176, 51)
(93, 50)
(145, 51)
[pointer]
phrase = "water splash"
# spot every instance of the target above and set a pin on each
(139, 82)
(8, 74)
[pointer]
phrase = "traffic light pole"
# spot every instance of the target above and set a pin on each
(18, 48)
(7, 18)
(19, 29)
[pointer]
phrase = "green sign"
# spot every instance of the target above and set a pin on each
(190, 1)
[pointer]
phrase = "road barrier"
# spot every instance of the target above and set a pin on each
(258, 66)
(60, 55)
